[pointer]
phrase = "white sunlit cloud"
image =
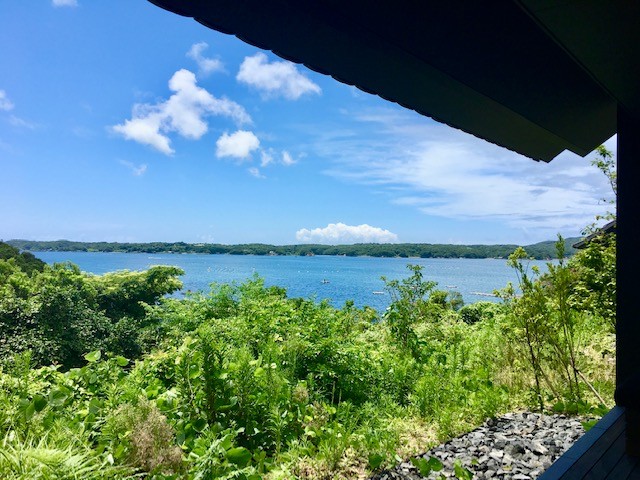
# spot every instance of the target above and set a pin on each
(5, 103)
(239, 145)
(205, 65)
(64, 3)
(184, 113)
(136, 170)
(447, 173)
(340, 233)
(278, 78)
(287, 159)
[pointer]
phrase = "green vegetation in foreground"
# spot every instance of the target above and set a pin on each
(541, 251)
(102, 377)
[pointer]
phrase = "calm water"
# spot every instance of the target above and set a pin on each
(321, 277)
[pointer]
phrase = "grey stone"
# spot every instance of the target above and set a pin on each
(518, 446)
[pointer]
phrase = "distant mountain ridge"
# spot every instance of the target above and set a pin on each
(540, 250)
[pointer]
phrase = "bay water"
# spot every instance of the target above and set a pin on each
(334, 278)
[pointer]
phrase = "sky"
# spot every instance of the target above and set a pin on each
(122, 122)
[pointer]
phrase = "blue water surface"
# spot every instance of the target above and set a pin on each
(335, 278)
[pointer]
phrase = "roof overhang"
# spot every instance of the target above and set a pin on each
(537, 77)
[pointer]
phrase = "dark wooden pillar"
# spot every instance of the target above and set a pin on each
(628, 280)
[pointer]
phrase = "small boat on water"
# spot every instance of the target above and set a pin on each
(324, 280)
(378, 292)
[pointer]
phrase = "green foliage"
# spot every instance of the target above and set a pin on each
(545, 320)
(595, 274)
(25, 261)
(542, 250)
(425, 467)
(244, 382)
(60, 313)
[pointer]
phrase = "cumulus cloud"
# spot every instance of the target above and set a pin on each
(278, 78)
(340, 233)
(447, 173)
(205, 64)
(5, 103)
(136, 170)
(64, 3)
(238, 145)
(184, 113)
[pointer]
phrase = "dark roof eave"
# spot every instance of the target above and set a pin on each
(367, 53)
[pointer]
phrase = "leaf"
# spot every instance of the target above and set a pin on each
(435, 464)
(375, 460)
(93, 356)
(58, 396)
(39, 402)
(29, 411)
(422, 465)
(199, 425)
(461, 472)
(239, 456)
(120, 360)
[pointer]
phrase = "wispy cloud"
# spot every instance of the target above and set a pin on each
(278, 78)
(287, 159)
(255, 172)
(237, 145)
(447, 173)
(206, 65)
(266, 157)
(64, 3)
(5, 103)
(21, 123)
(136, 170)
(184, 113)
(340, 233)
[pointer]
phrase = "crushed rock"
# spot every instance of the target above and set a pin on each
(516, 446)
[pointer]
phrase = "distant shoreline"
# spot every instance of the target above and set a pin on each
(540, 251)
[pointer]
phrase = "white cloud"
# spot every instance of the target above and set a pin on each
(266, 157)
(184, 112)
(339, 233)
(238, 145)
(206, 65)
(136, 170)
(64, 3)
(5, 103)
(275, 78)
(287, 159)
(255, 172)
(447, 173)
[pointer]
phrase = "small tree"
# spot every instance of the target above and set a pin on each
(409, 299)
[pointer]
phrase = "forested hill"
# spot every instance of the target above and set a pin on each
(542, 250)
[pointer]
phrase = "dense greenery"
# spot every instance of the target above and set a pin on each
(26, 261)
(542, 250)
(60, 313)
(105, 377)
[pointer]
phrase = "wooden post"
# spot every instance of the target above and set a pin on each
(628, 276)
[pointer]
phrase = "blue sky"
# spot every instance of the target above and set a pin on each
(122, 122)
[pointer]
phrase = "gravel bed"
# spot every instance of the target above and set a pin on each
(517, 446)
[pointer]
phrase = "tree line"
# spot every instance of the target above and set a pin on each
(540, 251)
